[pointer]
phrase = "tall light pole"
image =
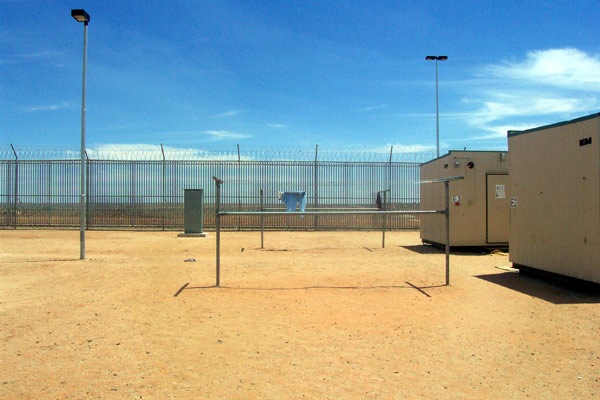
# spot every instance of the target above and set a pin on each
(437, 108)
(82, 16)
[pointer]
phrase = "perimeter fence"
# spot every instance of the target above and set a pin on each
(144, 189)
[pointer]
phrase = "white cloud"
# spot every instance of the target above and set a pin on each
(548, 86)
(140, 151)
(51, 107)
(500, 131)
(29, 57)
(223, 135)
(277, 126)
(416, 148)
(143, 151)
(399, 148)
(502, 106)
(374, 108)
(565, 68)
(226, 114)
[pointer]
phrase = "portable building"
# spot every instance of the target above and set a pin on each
(479, 204)
(555, 198)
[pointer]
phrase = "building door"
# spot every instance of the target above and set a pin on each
(498, 209)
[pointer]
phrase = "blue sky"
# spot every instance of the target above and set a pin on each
(286, 74)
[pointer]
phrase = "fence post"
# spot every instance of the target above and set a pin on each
(132, 193)
(7, 214)
(262, 222)
(316, 187)
(49, 205)
(389, 185)
(237, 187)
(16, 196)
(384, 220)
(218, 183)
(389, 188)
(87, 191)
(163, 186)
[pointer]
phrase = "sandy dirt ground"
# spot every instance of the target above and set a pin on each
(313, 315)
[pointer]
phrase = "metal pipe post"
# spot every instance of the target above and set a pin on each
(316, 187)
(16, 194)
(163, 186)
(389, 180)
(49, 199)
(384, 220)
(262, 222)
(87, 191)
(437, 112)
(218, 183)
(238, 187)
(82, 181)
(447, 192)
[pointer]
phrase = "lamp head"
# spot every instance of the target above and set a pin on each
(80, 15)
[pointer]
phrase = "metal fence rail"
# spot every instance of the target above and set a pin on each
(148, 194)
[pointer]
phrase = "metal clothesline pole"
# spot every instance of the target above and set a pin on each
(447, 249)
(218, 183)
(219, 214)
(383, 224)
(325, 208)
(226, 213)
(262, 222)
(384, 220)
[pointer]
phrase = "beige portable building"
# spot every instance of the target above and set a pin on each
(479, 204)
(555, 204)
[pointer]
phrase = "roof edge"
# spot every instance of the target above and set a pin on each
(463, 151)
(512, 133)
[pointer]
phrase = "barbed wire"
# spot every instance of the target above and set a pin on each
(148, 152)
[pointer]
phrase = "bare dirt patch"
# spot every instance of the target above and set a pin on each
(314, 315)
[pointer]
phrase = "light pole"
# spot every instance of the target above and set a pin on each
(437, 108)
(82, 16)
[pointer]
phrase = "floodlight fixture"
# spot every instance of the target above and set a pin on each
(80, 15)
(440, 58)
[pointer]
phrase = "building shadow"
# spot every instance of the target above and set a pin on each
(424, 249)
(431, 249)
(552, 291)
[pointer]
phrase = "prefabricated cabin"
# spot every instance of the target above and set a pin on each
(555, 204)
(479, 204)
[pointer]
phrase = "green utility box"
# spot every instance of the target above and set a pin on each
(193, 210)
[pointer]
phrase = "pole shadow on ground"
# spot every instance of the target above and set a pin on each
(409, 285)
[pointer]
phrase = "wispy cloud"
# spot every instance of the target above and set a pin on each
(225, 135)
(566, 68)
(500, 131)
(226, 114)
(27, 57)
(548, 86)
(51, 107)
(402, 148)
(373, 108)
(141, 151)
(527, 104)
(277, 126)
